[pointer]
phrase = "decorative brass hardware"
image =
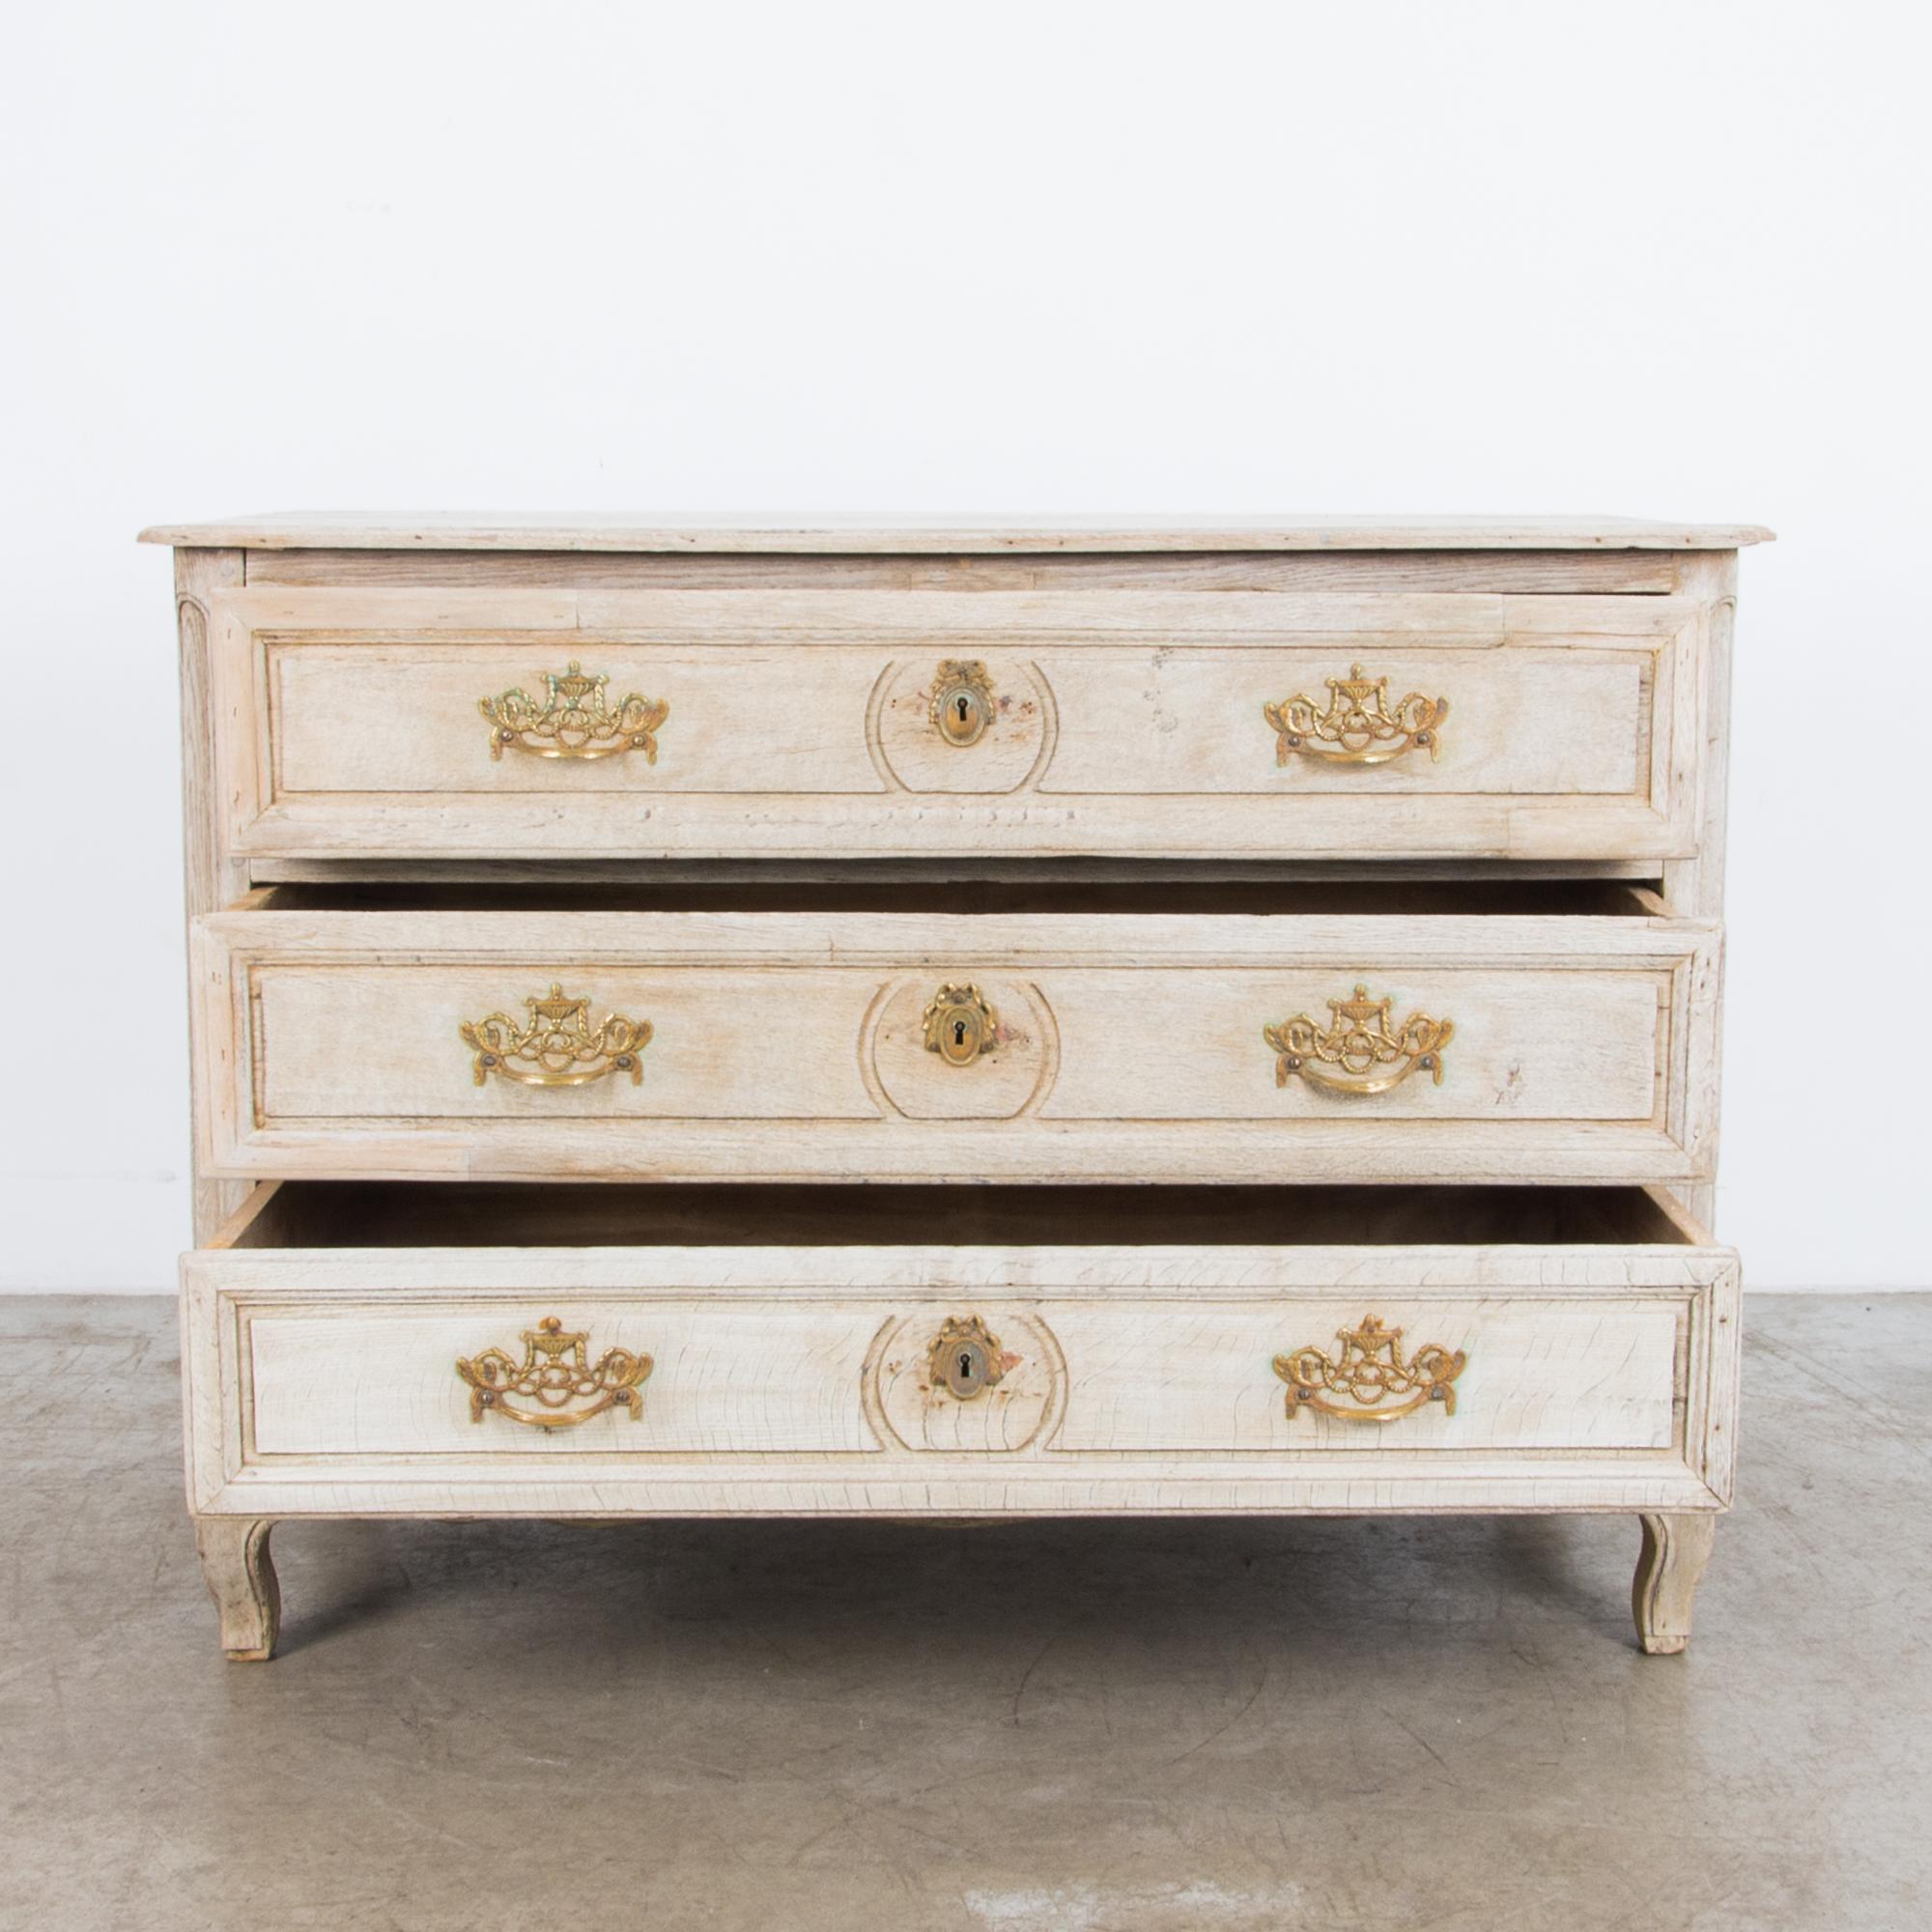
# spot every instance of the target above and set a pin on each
(560, 1047)
(1357, 1040)
(1357, 729)
(964, 1359)
(556, 1371)
(574, 721)
(1370, 1373)
(962, 700)
(959, 1026)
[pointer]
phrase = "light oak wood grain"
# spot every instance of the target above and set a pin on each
(212, 875)
(241, 1578)
(1597, 1375)
(786, 1378)
(1555, 572)
(962, 536)
(1670, 1568)
(1694, 883)
(789, 1046)
(1129, 722)
(808, 863)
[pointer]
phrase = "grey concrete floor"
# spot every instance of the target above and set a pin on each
(1086, 1728)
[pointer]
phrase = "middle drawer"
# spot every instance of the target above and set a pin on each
(1303, 1045)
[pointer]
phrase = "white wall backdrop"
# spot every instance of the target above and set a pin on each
(1658, 259)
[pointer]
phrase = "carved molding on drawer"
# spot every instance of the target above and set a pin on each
(1002, 1067)
(964, 1382)
(1370, 1372)
(1356, 727)
(1002, 743)
(574, 719)
(555, 1375)
(1343, 1057)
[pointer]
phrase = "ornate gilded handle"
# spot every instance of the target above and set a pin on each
(557, 1375)
(962, 700)
(1358, 727)
(560, 1047)
(959, 1026)
(1370, 1373)
(1343, 1057)
(574, 719)
(964, 1359)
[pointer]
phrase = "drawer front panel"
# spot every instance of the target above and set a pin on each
(1535, 1376)
(517, 724)
(1073, 1375)
(382, 1380)
(822, 1043)
(723, 1045)
(404, 718)
(848, 1378)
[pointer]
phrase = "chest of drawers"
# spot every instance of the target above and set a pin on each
(954, 1022)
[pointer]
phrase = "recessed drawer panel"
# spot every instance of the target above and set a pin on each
(516, 725)
(1168, 1351)
(886, 1046)
(783, 1374)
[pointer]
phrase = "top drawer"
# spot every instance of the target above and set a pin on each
(521, 724)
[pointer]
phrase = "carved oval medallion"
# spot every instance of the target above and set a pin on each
(964, 725)
(981, 1049)
(985, 1379)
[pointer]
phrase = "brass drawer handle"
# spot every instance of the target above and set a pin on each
(1356, 1041)
(959, 1026)
(1371, 1372)
(560, 1047)
(574, 719)
(556, 1372)
(962, 700)
(964, 1359)
(1358, 727)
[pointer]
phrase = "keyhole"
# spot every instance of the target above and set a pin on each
(958, 1033)
(965, 1368)
(961, 705)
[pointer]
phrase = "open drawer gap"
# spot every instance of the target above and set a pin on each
(941, 894)
(463, 1214)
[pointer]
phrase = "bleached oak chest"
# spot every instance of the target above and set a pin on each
(954, 1021)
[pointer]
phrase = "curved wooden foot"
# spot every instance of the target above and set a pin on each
(1675, 1549)
(241, 1578)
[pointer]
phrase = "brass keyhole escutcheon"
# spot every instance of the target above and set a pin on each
(965, 1359)
(959, 1026)
(962, 702)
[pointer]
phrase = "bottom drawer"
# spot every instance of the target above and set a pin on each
(368, 1349)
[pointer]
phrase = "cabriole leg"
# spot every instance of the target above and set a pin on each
(241, 1578)
(1675, 1549)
